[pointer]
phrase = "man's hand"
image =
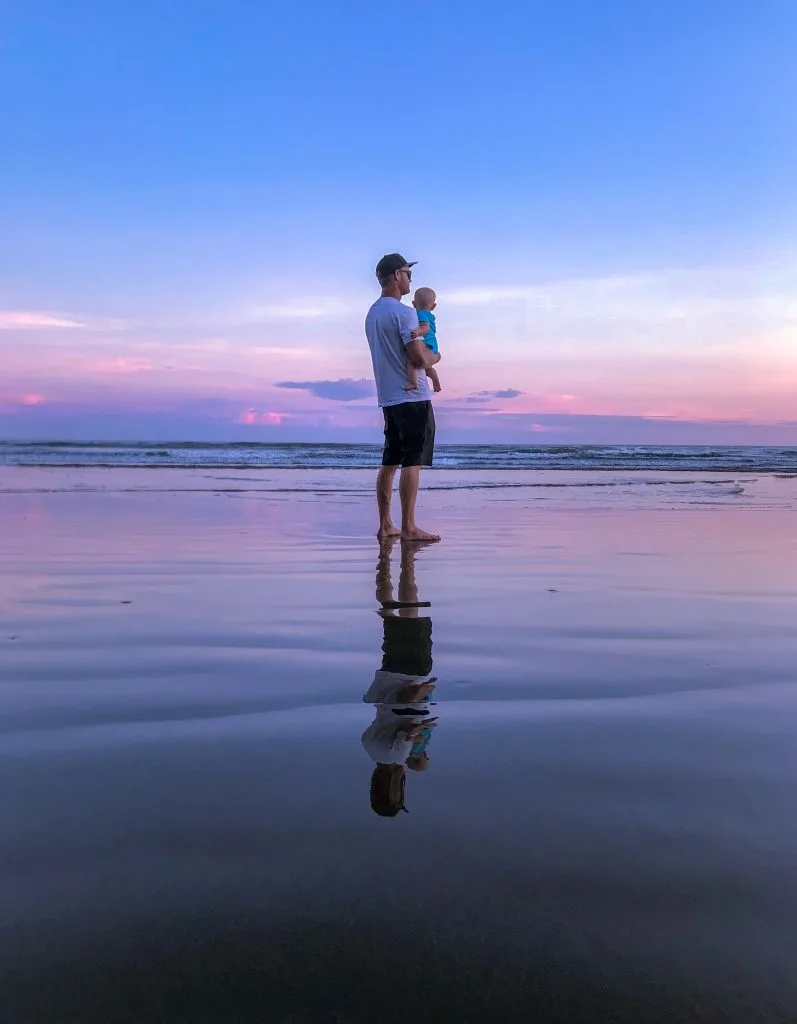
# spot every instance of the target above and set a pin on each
(423, 329)
(413, 731)
(421, 356)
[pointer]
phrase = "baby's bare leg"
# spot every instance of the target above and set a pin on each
(431, 373)
(412, 377)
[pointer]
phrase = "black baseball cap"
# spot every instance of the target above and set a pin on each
(390, 264)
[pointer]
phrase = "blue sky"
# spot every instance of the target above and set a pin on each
(194, 196)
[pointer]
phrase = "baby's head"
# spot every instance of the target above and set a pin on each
(424, 298)
(418, 762)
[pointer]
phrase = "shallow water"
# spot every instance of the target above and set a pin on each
(604, 831)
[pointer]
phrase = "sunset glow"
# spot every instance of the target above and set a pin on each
(600, 273)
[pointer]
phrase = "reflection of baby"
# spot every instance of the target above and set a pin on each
(418, 759)
(424, 301)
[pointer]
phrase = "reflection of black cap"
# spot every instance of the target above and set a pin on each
(387, 790)
(390, 264)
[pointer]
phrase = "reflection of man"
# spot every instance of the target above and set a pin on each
(402, 727)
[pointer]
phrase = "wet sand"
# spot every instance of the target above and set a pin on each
(605, 829)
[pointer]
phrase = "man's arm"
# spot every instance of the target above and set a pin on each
(421, 356)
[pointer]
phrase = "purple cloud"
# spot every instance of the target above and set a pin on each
(486, 396)
(345, 390)
(116, 415)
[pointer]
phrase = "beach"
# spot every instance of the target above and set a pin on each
(605, 829)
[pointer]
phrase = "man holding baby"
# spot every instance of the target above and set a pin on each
(403, 362)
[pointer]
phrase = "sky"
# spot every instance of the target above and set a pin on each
(193, 197)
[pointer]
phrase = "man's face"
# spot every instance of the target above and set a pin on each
(404, 279)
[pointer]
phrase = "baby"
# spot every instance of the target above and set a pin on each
(425, 301)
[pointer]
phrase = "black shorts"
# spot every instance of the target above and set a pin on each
(409, 434)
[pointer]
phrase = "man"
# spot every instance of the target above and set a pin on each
(394, 338)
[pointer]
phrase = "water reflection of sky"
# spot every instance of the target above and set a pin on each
(605, 812)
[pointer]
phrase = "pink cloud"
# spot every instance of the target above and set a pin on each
(120, 364)
(9, 321)
(538, 401)
(32, 399)
(251, 417)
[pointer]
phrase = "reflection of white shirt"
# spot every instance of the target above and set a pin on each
(387, 685)
(385, 740)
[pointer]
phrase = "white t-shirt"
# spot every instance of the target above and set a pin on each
(388, 327)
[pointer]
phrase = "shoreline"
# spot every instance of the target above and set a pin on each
(248, 467)
(476, 490)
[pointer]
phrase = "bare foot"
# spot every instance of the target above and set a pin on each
(388, 530)
(419, 536)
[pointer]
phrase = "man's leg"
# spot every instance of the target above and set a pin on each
(384, 492)
(418, 451)
(408, 492)
(391, 457)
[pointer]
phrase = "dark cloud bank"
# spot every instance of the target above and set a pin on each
(345, 390)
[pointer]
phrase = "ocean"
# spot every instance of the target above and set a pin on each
(251, 455)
